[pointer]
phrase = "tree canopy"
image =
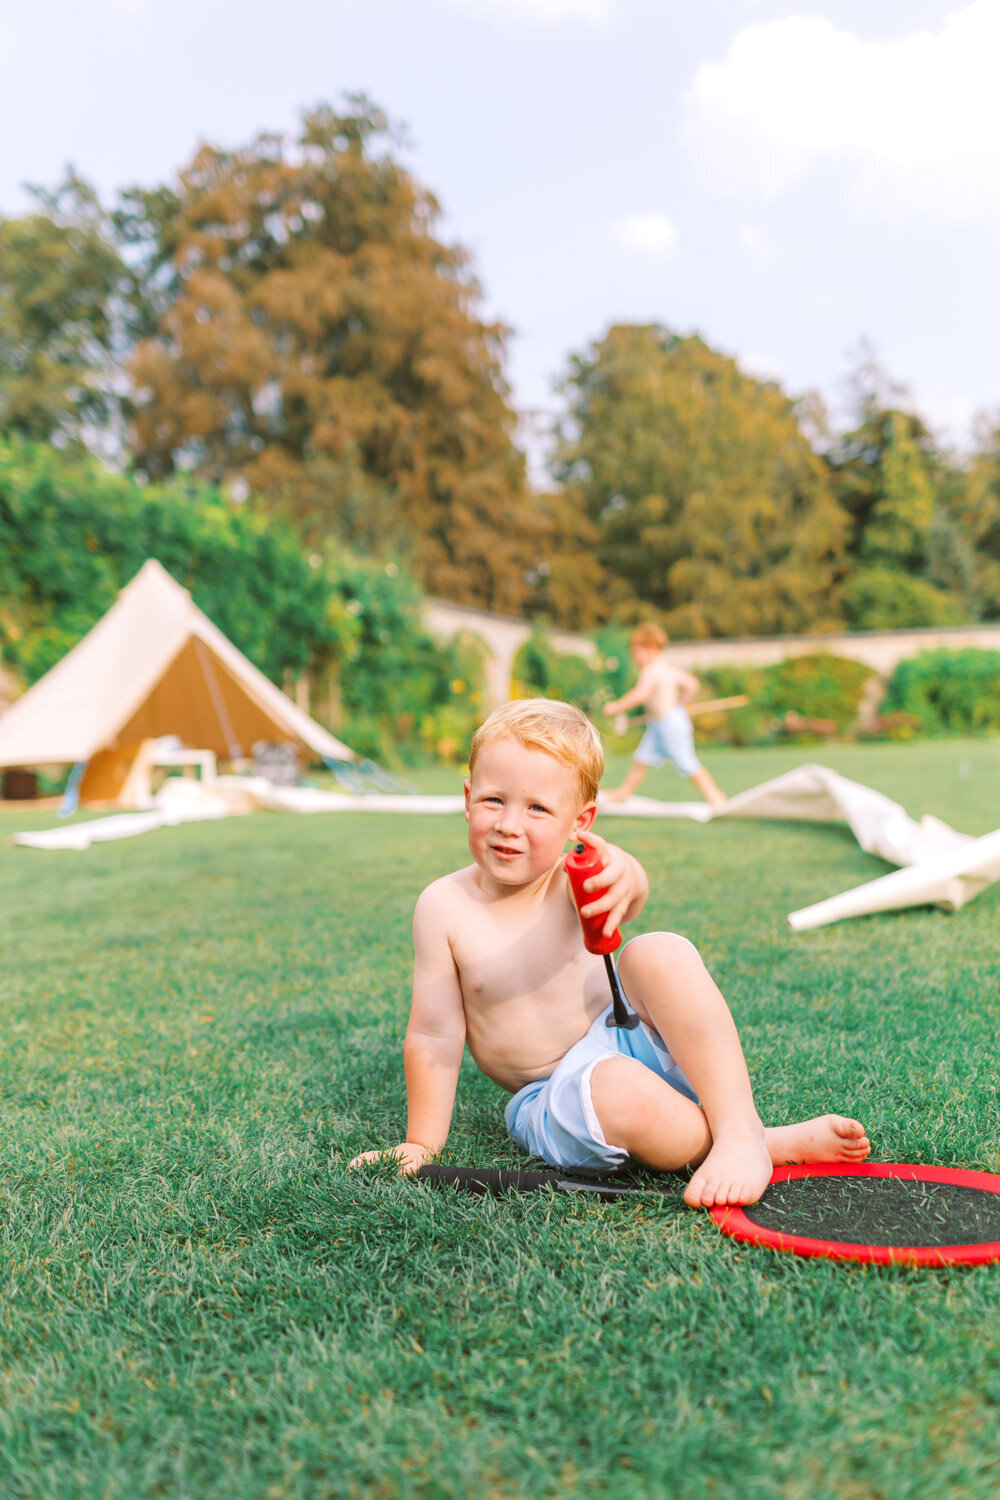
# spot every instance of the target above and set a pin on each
(909, 559)
(63, 291)
(709, 502)
(283, 324)
(316, 342)
(978, 505)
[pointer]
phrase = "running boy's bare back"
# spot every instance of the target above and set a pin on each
(661, 686)
(499, 963)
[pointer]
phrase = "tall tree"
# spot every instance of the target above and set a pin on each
(979, 511)
(909, 562)
(709, 503)
(316, 342)
(64, 290)
(899, 526)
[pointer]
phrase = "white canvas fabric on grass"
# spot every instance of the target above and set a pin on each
(940, 866)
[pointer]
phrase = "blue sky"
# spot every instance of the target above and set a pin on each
(787, 179)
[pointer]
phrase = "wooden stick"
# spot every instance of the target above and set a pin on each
(740, 700)
(623, 723)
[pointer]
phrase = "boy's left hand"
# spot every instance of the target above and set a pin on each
(622, 881)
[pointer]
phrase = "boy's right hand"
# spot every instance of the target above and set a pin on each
(410, 1155)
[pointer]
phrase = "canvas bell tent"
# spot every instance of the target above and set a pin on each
(153, 666)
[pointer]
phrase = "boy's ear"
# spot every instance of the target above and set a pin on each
(585, 818)
(468, 789)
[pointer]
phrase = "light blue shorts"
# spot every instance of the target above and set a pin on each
(554, 1117)
(670, 739)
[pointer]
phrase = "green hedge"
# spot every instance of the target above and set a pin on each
(803, 698)
(405, 697)
(949, 692)
(589, 682)
(72, 534)
(819, 686)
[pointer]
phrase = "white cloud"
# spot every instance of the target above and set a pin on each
(649, 234)
(915, 122)
(755, 242)
(594, 12)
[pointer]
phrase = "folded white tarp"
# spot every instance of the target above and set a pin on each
(183, 801)
(948, 880)
(941, 866)
(820, 795)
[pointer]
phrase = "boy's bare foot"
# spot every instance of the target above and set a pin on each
(737, 1169)
(827, 1138)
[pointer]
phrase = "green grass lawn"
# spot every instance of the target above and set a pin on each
(201, 1026)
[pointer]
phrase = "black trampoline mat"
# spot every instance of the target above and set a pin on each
(879, 1211)
(884, 1212)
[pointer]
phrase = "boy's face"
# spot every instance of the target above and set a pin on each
(521, 807)
(643, 655)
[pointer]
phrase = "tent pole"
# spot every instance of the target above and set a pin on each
(71, 792)
(218, 702)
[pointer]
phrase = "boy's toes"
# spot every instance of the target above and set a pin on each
(854, 1144)
(708, 1192)
(700, 1192)
(692, 1193)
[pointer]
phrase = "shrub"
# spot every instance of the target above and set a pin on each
(540, 670)
(819, 686)
(405, 697)
(949, 692)
(588, 682)
(72, 534)
(803, 697)
(749, 725)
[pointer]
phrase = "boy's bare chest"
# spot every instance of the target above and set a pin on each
(517, 957)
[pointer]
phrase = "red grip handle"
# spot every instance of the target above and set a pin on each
(581, 863)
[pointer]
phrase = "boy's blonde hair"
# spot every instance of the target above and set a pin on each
(546, 724)
(648, 634)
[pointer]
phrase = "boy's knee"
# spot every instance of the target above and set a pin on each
(619, 1090)
(653, 953)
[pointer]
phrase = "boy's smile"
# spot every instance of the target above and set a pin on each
(521, 807)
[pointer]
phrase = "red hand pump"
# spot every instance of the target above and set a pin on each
(581, 863)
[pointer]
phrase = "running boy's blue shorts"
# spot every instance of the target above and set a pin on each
(670, 739)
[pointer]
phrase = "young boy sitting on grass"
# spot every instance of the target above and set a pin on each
(500, 964)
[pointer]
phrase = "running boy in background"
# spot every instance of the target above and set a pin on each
(665, 691)
(500, 964)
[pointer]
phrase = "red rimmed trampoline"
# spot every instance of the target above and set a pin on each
(884, 1213)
